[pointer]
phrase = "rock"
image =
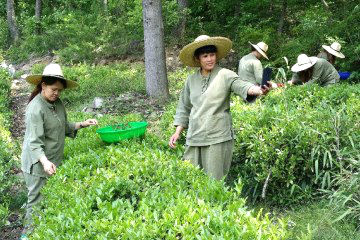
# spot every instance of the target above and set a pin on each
(4, 65)
(88, 110)
(24, 76)
(15, 85)
(98, 102)
(11, 70)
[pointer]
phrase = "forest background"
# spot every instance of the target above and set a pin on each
(101, 44)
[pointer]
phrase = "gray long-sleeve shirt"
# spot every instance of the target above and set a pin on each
(46, 128)
(250, 69)
(204, 106)
(323, 74)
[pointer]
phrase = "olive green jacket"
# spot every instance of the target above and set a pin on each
(323, 55)
(204, 106)
(46, 127)
(323, 74)
(250, 69)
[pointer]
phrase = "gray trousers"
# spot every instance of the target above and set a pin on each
(34, 185)
(214, 159)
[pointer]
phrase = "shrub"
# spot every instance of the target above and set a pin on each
(345, 198)
(100, 81)
(299, 137)
(7, 162)
(139, 189)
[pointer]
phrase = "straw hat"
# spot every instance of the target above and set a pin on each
(303, 62)
(222, 44)
(334, 49)
(262, 48)
(51, 70)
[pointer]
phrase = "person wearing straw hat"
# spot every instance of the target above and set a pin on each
(46, 127)
(331, 52)
(250, 68)
(313, 70)
(204, 105)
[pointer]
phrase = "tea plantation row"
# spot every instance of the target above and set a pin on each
(300, 138)
(142, 190)
(7, 162)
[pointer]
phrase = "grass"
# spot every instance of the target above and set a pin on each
(315, 221)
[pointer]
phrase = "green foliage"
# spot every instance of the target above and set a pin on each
(100, 81)
(7, 162)
(302, 135)
(346, 197)
(139, 189)
(314, 221)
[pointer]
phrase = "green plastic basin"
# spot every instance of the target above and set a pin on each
(118, 132)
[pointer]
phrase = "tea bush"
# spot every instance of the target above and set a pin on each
(141, 190)
(7, 162)
(100, 81)
(345, 199)
(300, 137)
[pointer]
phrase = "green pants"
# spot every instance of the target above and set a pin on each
(214, 159)
(34, 185)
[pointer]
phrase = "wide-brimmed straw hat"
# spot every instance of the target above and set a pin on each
(51, 70)
(222, 44)
(334, 49)
(303, 62)
(262, 48)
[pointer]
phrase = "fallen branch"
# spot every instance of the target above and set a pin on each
(265, 185)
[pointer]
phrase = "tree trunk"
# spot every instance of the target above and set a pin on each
(155, 64)
(282, 18)
(325, 4)
(14, 32)
(38, 9)
(105, 3)
(183, 4)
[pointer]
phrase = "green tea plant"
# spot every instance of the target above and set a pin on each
(297, 139)
(345, 198)
(141, 190)
(7, 148)
(100, 81)
(291, 142)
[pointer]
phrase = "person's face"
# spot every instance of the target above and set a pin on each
(207, 61)
(52, 92)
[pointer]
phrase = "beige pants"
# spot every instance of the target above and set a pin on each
(214, 159)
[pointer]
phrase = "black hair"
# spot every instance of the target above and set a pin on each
(252, 48)
(48, 80)
(205, 49)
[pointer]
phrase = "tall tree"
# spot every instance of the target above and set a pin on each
(14, 32)
(38, 9)
(105, 4)
(282, 17)
(180, 30)
(155, 64)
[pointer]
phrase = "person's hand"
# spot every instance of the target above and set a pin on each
(265, 90)
(258, 91)
(89, 122)
(48, 166)
(173, 139)
(272, 84)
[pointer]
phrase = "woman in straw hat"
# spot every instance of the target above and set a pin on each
(46, 127)
(313, 70)
(204, 105)
(331, 52)
(250, 68)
